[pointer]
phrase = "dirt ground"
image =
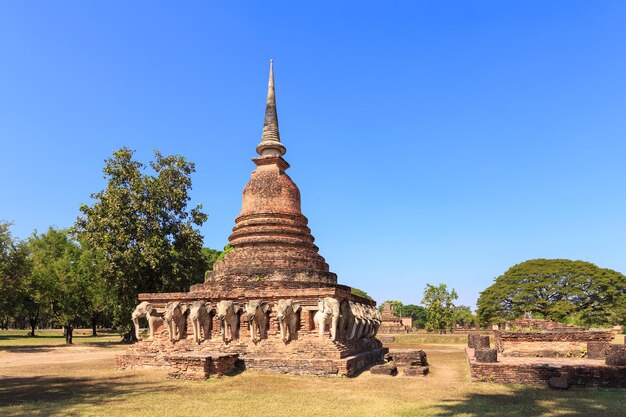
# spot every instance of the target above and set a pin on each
(55, 354)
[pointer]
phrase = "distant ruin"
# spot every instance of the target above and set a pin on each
(545, 352)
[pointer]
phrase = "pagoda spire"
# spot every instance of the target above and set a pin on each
(270, 139)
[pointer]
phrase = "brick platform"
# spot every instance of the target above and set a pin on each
(538, 371)
(549, 343)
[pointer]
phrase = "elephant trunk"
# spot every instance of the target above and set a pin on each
(333, 328)
(136, 324)
(283, 330)
(252, 329)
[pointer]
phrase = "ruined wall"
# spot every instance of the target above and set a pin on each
(591, 375)
(547, 344)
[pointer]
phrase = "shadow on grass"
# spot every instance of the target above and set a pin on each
(50, 394)
(535, 402)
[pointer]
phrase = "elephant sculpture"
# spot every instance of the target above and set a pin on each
(371, 320)
(256, 312)
(176, 318)
(378, 319)
(228, 315)
(202, 320)
(287, 315)
(147, 310)
(346, 319)
(359, 321)
(327, 314)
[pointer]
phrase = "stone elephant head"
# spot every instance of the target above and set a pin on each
(175, 317)
(228, 315)
(286, 313)
(359, 321)
(147, 310)
(256, 313)
(346, 319)
(369, 319)
(378, 319)
(328, 314)
(201, 316)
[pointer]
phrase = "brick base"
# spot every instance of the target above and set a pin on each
(594, 374)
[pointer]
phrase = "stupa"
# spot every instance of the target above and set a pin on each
(272, 301)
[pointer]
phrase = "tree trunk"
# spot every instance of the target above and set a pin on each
(68, 333)
(33, 323)
(94, 320)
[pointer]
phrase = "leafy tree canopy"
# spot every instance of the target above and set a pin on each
(439, 303)
(556, 289)
(141, 223)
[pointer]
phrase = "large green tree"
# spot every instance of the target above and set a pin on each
(58, 277)
(14, 268)
(439, 303)
(557, 289)
(463, 316)
(142, 224)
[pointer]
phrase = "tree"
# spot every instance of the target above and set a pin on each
(141, 224)
(556, 289)
(57, 276)
(463, 316)
(91, 265)
(439, 307)
(210, 257)
(417, 313)
(14, 268)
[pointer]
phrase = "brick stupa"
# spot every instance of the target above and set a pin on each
(271, 240)
(273, 259)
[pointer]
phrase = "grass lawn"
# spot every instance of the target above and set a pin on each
(95, 389)
(16, 339)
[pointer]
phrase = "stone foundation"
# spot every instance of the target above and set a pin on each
(548, 344)
(536, 371)
(308, 355)
(200, 366)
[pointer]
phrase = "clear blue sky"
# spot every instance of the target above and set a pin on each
(432, 141)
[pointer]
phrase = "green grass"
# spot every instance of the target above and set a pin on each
(96, 389)
(430, 338)
(12, 339)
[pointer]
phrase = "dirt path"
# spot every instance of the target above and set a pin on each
(55, 354)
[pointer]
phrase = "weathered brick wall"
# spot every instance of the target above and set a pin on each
(547, 344)
(593, 375)
(539, 324)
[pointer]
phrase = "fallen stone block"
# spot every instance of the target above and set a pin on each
(597, 350)
(385, 369)
(416, 371)
(478, 341)
(616, 355)
(407, 357)
(486, 355)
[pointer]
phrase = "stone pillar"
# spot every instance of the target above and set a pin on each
(597, 350)
(486, 355)
(478, 341)
(616, 355)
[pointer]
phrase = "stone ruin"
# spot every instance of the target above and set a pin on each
(390, 323)
(271, 303)
(560, 356)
